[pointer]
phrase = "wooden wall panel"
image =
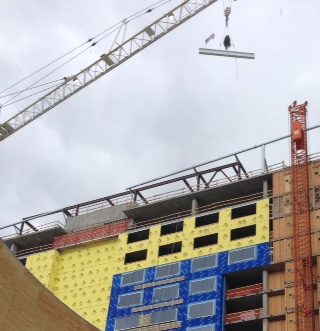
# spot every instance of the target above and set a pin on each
(283, 250)
(290, 321)
(289, 272)
(289, 298)
(315, 242)
(315, 220)
(276, 280)
(318, 268)
(276, 305)
(281, 182)
(314, 174)
(317, 324)
(25, 304)
(282, 206)
(282, 227)
(277, 325)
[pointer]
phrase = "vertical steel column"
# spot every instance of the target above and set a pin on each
(265, 299)
(263, 159)
(13, 248)
(194, 206)
(301, 219)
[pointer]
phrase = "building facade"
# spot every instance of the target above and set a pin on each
(219, 257)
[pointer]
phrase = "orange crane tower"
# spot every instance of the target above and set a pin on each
(301, 219)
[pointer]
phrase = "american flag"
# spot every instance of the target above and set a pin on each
(210, 38)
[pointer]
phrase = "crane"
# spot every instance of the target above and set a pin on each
(107, 62)
(301, 218)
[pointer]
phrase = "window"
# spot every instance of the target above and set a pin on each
(211, 327)
(123, 323)
(166, 293)
(205, 262)
(133, 277)
(129, 300)
(162, 316)
(171, 228)
(207, 220)
(211, 239)
(138, 236)
(202, 309)
(135, 256)
(243, 254)
(167, 270)
(243, 211)
(246, 231)
(170, 248)
(203, 285)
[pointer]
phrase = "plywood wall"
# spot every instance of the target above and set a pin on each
(26, 304)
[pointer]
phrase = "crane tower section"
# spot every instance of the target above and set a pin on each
(301, 219)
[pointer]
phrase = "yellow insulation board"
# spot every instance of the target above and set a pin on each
(82, 276)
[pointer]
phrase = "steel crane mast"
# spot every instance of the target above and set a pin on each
(106, 63)
(301, 219)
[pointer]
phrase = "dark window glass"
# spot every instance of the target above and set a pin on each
(205, 262)
(211, 239)
(203, 328)
(168, 270)
(129, 300)
(166, 293)
(202, 309)
(133, 277)
(124, 323)
(207, 220)
(138, 236)
(246, 231)
(170, 248)
(243, 254)
(171, 228)
(163, 316)
(203, 285)
(135, 256)
(243, 211)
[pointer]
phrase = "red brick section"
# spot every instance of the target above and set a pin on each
(80, 237)
(248, 315)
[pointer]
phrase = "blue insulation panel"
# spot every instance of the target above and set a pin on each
(223, 268)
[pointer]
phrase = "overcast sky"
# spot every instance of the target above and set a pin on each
(165, 109)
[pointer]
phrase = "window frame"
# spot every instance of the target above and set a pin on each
(245, 260)
(202, 302)
(134, 283)
(130, 293)
(120, 317)
(168, 276)
(199, 280)
(201, 257)
(165, 286)
(169, 321)
(195, 328)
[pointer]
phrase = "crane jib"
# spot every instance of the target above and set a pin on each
(135, 44)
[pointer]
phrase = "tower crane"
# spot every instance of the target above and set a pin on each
(301, 219)
(107, 62)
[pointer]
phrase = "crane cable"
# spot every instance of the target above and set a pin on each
(104, 35)
(227, 42)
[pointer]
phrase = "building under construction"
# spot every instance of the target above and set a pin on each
(211, 248)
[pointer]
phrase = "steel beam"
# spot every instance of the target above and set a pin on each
(218, 52)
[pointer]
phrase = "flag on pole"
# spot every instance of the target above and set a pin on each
(209, 38)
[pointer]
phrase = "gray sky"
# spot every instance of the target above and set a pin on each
(165, 109)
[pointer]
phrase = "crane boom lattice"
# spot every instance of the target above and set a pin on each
(301, 219)
(106, 63)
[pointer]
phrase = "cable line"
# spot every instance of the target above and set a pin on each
(136, 15)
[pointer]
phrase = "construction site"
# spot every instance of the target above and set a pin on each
(213, 247)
